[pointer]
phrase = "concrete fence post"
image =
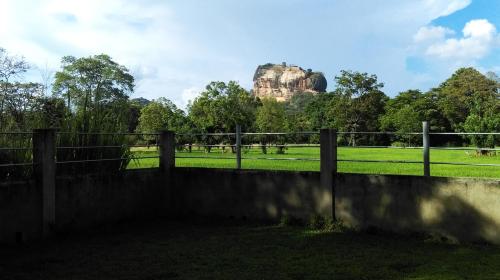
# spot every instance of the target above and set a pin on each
(167, 151)
(167, 165)
(426, 148)
(44, 167)
(238, 146)
(328, 170)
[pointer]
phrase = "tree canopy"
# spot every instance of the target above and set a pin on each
(96, 90)
(223, 106)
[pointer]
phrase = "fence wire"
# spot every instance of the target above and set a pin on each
(114, 151)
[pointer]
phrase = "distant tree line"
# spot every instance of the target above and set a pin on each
(91, 94)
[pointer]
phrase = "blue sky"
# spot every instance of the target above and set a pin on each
(174, 48)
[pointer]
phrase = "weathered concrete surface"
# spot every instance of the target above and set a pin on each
(464, 209)
(96, 199)
(20, 211)
(82, 202)
(265, 195)
(460, 208)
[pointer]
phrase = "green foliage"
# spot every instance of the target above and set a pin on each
(320, 222)
(223, 106)
(219, 109)
(357, 104)
(95, 90)
(470, 102)
(403, 116)
(161, 114)
(467, 90)
(271, 117)
(317, 222)
(476, 123)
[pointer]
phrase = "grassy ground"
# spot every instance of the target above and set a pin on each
(250, 161)
(161, 250)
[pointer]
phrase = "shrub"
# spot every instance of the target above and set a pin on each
(317, 222)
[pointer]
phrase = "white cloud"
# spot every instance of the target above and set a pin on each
(439, 8)
(479, 38)
(431, 34)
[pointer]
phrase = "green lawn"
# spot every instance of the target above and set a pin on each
(250, 161)
(163, 250)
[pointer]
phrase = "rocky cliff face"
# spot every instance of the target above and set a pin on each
(282, 82)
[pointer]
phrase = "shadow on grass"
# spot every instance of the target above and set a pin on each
(165, 250)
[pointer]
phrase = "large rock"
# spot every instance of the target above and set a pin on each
(282, 82)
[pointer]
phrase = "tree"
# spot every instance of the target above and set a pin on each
(222, 106)
(483, 119)
(21, 105)
(406, 112)
(401, 115)
(11, 67)
(161, 114)
(357, 104)
(94, 88)
(465, 91)
(271, 117)
(470, 101)
(488, 123)
(296, 114)
(317, 111)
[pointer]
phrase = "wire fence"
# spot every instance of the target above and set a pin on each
(281, 143)
(16, 155)
(106, 152)
(100, 152)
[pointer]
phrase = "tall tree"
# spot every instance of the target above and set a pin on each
(271, 117)
(223, 106)
(11, 68)
(467, 90)
(357, 104)
(95, 89)
(406, 112)
(161, 114)
(402, 116)
(295, 109)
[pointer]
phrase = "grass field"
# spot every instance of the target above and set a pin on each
(163, 250)
(251, 161)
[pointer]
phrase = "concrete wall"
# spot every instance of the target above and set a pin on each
(460, 208)
(90, 200)
(466, 209)
(82, 202)
(20, 211)
(265, 195)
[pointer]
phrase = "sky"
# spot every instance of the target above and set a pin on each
(175, 48)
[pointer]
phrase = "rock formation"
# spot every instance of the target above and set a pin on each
(282, 82)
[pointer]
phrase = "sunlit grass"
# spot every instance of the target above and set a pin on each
(218, 159)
